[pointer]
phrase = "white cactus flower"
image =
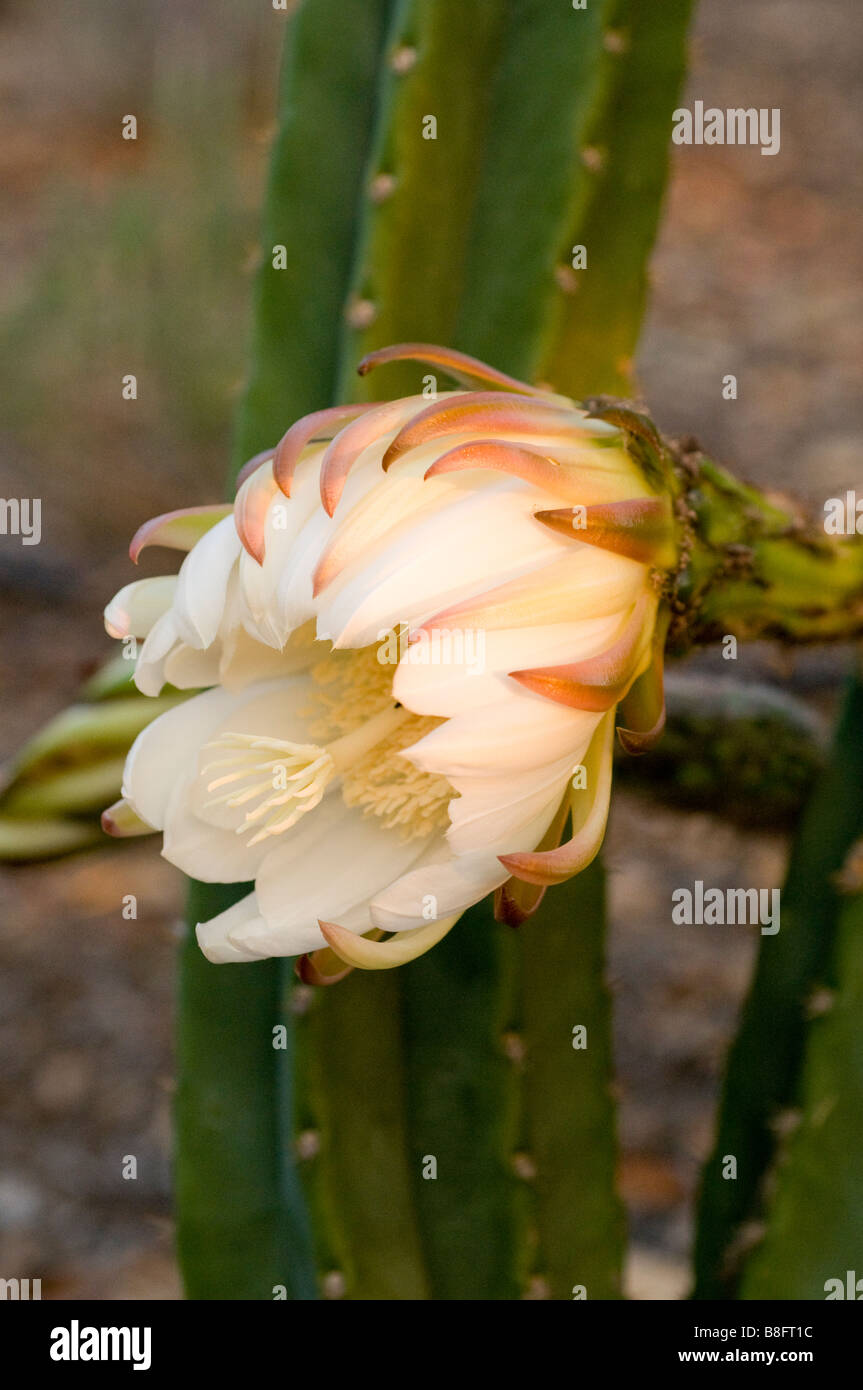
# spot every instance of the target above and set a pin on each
(413, 630)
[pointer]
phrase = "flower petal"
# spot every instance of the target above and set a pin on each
(331, 865)
(600, 681)
(179, 530)
(121, 820)
(214, 935)
(365, 954)
(457, 365)
(321, 424)
(479, 413)
(167, 750)
(344, 450)
(202, 584)
(644, 705)
(583, 584)
(639, 527)
(135, 610)
(589, 816)
(442, 886)
(515, 901)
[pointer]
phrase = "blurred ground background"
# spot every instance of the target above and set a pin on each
(120, 256)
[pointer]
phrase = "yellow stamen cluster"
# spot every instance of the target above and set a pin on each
(272, 783)
(388, 785)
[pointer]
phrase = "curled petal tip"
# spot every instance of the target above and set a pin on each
(251, 506)
(511, 908)
(639, 528)
(599, 682)
(121, 821)
(321, 968)
(478, 413)
(321, 424)
(347, 446)
(178, 530)
(544, 867)
(458, 365)
(530, 465)
(516, 901)
(365, 954)
(641, 740)
(643, 709)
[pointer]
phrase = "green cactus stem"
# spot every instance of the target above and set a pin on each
(762, 1075)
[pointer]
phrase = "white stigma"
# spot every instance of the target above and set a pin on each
(281, 781)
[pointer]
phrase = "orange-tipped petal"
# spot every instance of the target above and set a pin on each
(458, 365)
(250, 511)
(515, 901)
(640, 528)
(600, 681)
(643, 708)
(536, 599)
(589, 816)
(478, 412)
(321, 424)
(350, 442)
(520, 462)
(252, 466)
(405, 946)
(178, 530)
(121, 821)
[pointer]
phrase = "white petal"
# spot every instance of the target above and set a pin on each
(213, 935)
(245, 661)
(329, 866)
(451, 671)
(137, 607)
(441, 560)
(515, 734)
(150, 666)
(436, 890)
(505, 814)
(204, 851)
(202, 583)
(167, 750)
(190, 669)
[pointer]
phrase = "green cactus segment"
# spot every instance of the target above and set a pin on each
(815, 1218)
(463, 1101)
(84, 733)
(757, 567)
(113, 680)
(791, 965)
(747, 752)
(54, 791)
(241, 1246)
(535, 183)
(23, 841)
(352, 1139)
(595, 320)
(241, 1233)
(568, 1121)
(325, 118)
(420, 184)
(74, 792)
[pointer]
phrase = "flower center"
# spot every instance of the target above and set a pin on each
(280, 781)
